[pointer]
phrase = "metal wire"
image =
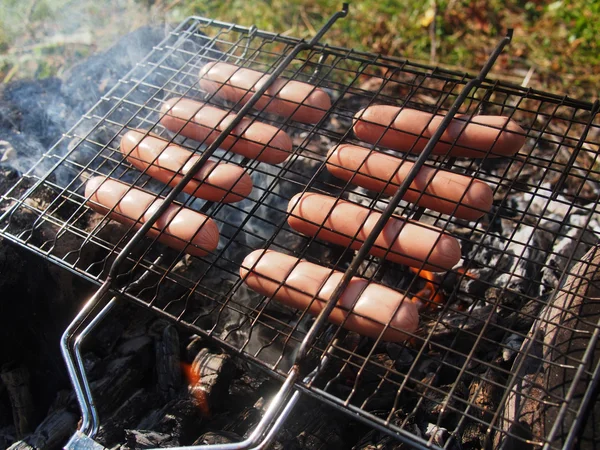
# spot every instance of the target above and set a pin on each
(515, 259)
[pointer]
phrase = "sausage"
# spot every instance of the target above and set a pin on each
(478, 137)
(168, 163)
(179, 228)
(203, 123)
(343, 220)
(301, 281)
(372, 170)
(288, 98)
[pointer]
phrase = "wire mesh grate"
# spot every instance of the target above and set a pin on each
(460, 371)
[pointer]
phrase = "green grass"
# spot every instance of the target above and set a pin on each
(557, 40)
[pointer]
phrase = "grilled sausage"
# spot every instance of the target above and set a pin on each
(179, 228)
(478, 137)
(168, 163)
(288, 98)
(439, 190)
(341, 221)
(203, 123)
(295, 283)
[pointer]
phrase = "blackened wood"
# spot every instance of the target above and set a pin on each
(559, 339)
(180, 417)
(7, 436)
(16, 380)
(168, 365)
(217, 438)
(112, 430)
(193, 347)
(210, 377)
(141, 439)
(123, 375)
(51, 434)
(315, 426)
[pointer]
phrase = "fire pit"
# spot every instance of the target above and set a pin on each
(506, 354)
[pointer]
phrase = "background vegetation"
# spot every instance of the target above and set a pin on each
(555, 47)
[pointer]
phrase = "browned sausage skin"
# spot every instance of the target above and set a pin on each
(288, 98)
(168, 163)
(204, 123)
(410, 130)
(296, 283)
(338, 221)
(177, 227)
(439, 190)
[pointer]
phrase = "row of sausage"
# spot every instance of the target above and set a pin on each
(368, 308)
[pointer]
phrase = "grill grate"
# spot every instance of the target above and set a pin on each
(515, 259)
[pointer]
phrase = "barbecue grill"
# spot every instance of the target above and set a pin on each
(517, 323)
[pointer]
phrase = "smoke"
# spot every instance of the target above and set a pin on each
(57, 38)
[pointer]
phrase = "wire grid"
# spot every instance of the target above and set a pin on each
(514, 259)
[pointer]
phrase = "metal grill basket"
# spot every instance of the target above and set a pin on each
(524, 292)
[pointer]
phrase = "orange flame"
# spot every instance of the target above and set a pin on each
(430, 296)
(195, 388)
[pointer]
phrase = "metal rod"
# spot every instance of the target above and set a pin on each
(575, 153)
(71, 346)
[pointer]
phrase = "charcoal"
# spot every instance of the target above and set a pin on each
(559, 338)
(54, 431)
(441, 437)
(122, 374)
(16, 380)
(458, 329)
(141, 439)
(510, 345)
(7, 436)
(168, 367)
(439, 407)
(474, 436)
(484, 393)
(181, 418)
(112, 429)
(134, 345)
(215, 438)
(314, 426)
(376, 440)
(403, 357)
(195, 344)
(211, 375)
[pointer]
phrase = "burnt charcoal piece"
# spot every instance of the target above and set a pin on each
(180, 418)
(168, 366)
(437, 407)
(122, 374)
(376, 440)
(485, 392)
(112, 429)
(16, 380)
(316, 426)
(138, 439)
(210, 376)
(51, 433)
(441, 437)
(556, 344)
(214, 438)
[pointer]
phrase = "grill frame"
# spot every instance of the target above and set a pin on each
(434, 73)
